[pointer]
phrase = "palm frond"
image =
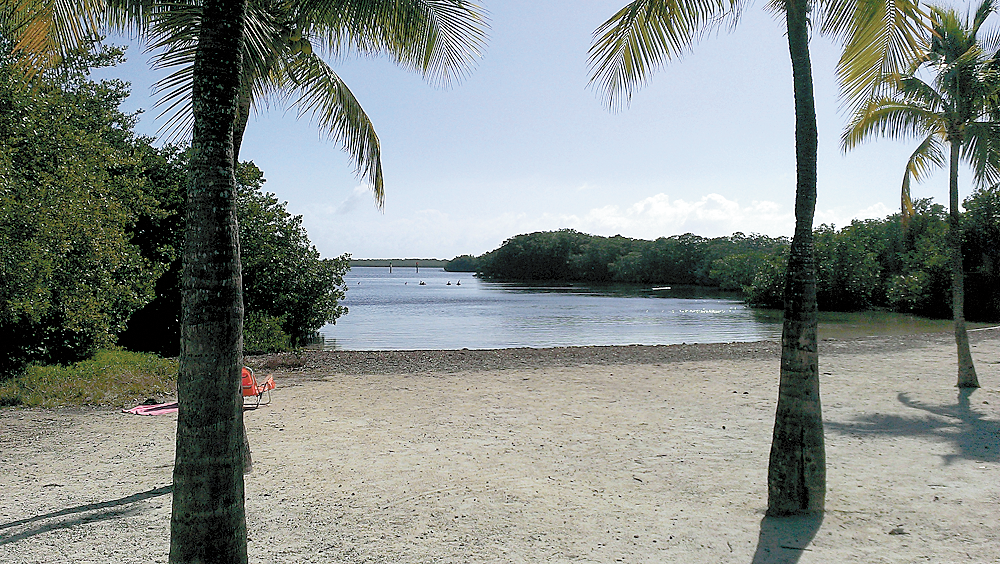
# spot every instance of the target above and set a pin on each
(929, 154)
(174, 39)
(323, 95)
(131, 17)
(440, 38)
(175, 35)
(990, 42)
(882, 38)
(44, 32)
(644, 35)
(453, 40)
(887, 117)
(915, 91)
(981, 150)
(983, 11)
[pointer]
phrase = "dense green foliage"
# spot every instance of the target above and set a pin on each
(91, 227)
(111, 377)
(284, 277)
(981, 249)
(289, 292)
(462, 263)
(71, 186)
(870, 264)
(571, 255)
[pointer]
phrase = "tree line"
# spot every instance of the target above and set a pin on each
(91, 227)
(869, 264)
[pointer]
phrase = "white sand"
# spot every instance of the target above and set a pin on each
(615, 463)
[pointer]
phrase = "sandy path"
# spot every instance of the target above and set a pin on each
(602, 462)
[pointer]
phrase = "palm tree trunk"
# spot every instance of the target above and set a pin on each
(208, 522)
(796, 478)
(240, 126)
(966, 369)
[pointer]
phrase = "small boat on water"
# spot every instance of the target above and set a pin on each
(661, 288)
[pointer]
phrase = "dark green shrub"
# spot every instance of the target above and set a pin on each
(263, 334)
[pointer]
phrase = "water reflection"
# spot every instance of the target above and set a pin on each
(433, 309)
(852, 325)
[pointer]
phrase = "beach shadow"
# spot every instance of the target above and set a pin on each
(782, 540)
(87, 513)
(973, 436)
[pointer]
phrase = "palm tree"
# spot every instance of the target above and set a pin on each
(439, 38)
(646, 34)
(958, 107)
(208, 522)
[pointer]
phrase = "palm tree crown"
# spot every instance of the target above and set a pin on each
(283, 61)
(956, 104)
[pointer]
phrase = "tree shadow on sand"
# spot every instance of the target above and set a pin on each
(782, 540)
(973, 436)
(87, 513)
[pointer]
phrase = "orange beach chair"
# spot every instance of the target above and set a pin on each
(253, 391)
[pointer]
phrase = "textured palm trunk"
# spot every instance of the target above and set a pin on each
(208, 523)
(966, 369)
(796, 478)
(240, 126)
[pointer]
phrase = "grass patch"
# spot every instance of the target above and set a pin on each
(112, 377)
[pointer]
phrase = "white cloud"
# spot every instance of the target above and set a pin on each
(839, 218)
(434, 233)
(360, 195)
(711, 215)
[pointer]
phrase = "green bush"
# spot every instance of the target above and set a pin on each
(112, 377)
(767, 289)
(462, 263)
(72, 186)
(263, 334)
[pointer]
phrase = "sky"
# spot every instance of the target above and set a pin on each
(522, 144)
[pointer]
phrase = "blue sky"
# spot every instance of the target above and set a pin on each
(522, 144)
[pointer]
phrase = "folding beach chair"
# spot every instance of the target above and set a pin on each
(253, 391)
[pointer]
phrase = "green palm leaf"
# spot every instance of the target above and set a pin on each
(644, 35)
(891, 118)
(958, 106)
(44, 32)
(323, 95)
(881, 39)
(440, 38)
(928, 155)
(982, 151)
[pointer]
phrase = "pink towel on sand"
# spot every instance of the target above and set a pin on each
(156, 409)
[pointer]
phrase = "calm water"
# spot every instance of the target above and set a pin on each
(392, 311)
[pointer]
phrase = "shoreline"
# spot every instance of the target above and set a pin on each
(308, 363)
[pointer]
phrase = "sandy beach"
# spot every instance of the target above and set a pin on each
(592, 454)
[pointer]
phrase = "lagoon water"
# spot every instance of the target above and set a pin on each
(393, 311)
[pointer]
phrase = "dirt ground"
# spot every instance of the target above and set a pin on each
(633, 458)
